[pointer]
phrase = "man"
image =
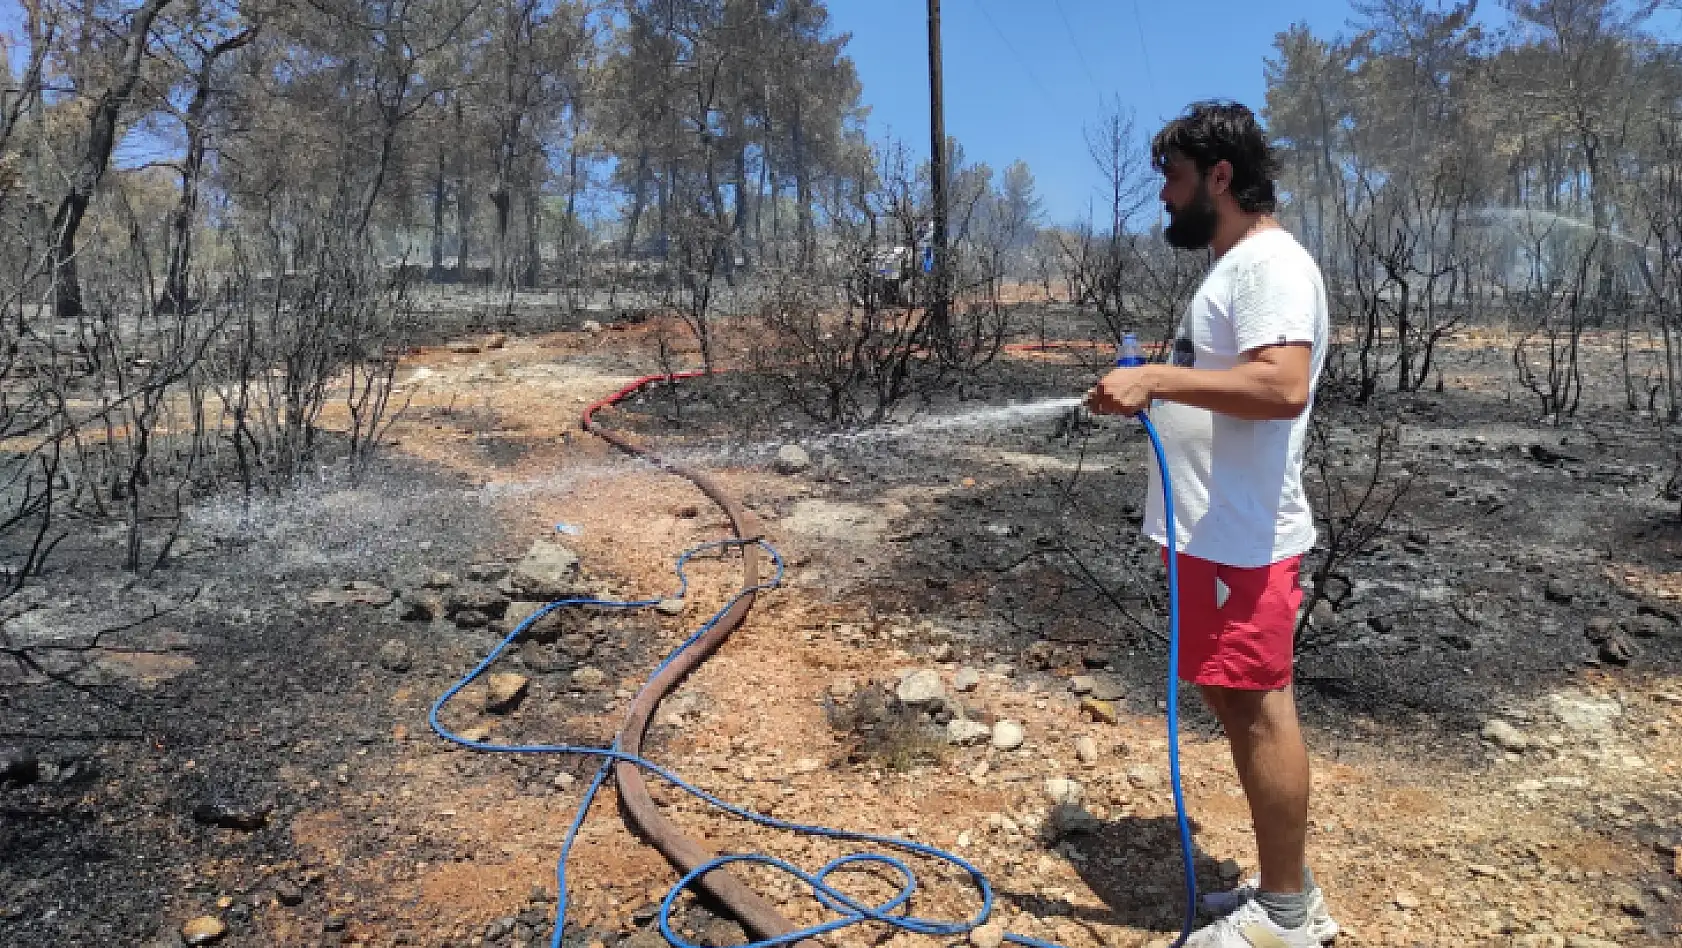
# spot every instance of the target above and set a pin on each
(1232, 411)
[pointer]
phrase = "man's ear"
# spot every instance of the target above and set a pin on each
(1220, 178)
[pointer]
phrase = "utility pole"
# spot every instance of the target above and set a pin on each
(938, 303)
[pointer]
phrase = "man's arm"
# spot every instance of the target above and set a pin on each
(1270, 384)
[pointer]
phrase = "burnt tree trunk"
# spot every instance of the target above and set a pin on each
(803, 192)
(178, 268)
(438, 218)
(102, 137)
(639, 200)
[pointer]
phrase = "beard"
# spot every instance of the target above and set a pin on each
(1192, 226)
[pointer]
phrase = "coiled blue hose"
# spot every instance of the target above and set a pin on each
(849, 911)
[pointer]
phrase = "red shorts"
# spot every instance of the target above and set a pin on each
(1243, 638)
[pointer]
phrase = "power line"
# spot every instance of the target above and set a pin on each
(1079, 54)
(1020, 59)
(1144, 49)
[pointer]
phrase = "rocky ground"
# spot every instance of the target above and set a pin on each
(964, 653)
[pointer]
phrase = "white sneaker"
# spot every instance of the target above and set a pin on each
(1249, 927)
(1321, 925)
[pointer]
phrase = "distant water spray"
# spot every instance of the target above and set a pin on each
(1538, 223)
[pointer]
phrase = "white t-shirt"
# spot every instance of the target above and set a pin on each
(1238, 496)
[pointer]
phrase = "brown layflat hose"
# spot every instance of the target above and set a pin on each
(756, 914)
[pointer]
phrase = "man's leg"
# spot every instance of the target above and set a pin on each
(1272, 763)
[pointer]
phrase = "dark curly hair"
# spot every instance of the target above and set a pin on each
(1212, 132)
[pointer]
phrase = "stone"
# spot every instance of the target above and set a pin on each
(922, 688)
(504, 690)
(966, 680)
(990, 935)
(230, 812)
(1583, 714)
(437, 579)
(477, 733)
(1106, 688)
(353, 593)
(588, 678)
(1629, 901)
(1405, 900)
(1063, 790)
(486, 572)
(807, 765)
(288, 894)
(1648, 627)
(482, 599)
(1082, 684)
(1560, 591)
(964, 732)
(1144, 777)
(723, 933)
(1008, 735)
(204, 930)
(1086, 751)
(941, 652)
(543, 659)
(1599, 629)
(394, 656)
(501, 928)
(421, 607)
(1229, 870)
(1322, 616)
(591, 326)
(1505, 736)
(1096, 656)
(669, 607)
(519, 610)
(471, 619)
(646, 938)
(1617, 650)
(577, 646)
(18, 767)
(564, 781)
(549, 571)
(792, 459)
(1071, 819)
(842, 688)
(1103, 712)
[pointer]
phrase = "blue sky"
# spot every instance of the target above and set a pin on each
(1025, 77)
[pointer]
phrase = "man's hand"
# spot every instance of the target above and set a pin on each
(1123, 392)
(1271, 383)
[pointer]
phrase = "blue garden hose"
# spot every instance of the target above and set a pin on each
(1173, 539)
(892, 913)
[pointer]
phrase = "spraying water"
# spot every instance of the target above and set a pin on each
(1537, 223)
(997, 416)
